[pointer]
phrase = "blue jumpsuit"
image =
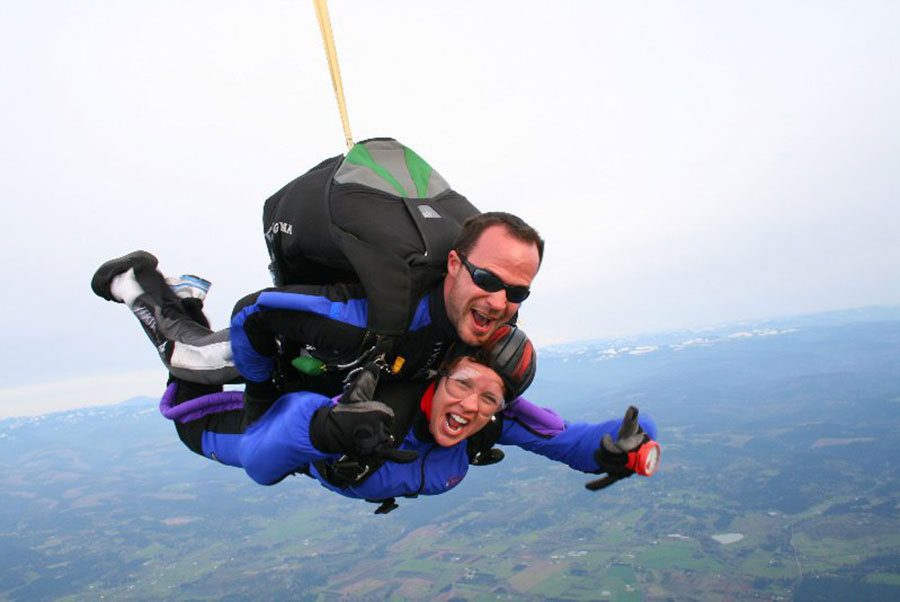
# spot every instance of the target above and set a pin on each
(278, 444)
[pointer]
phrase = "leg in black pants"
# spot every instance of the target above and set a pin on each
(226, 421)
(191, 430)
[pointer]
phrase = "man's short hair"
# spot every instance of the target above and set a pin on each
(515, 226)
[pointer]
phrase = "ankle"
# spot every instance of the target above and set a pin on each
(124, 287)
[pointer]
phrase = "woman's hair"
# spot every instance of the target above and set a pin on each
(509, 352)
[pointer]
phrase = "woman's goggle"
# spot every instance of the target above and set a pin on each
(460, 385)
(492, 283)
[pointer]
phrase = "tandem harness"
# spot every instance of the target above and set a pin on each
(350, 471)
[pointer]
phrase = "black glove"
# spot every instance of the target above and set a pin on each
(358, 426)
(612, 456)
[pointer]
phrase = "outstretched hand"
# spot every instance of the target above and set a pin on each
(358, 425)
(612, 456)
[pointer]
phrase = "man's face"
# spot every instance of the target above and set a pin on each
(475, 312)
(464, 402)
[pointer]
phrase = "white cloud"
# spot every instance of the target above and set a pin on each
(643, 350)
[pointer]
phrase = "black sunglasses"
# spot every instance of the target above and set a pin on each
(492, 283)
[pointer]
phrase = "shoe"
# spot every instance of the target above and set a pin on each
(138, 260)
(189, 286)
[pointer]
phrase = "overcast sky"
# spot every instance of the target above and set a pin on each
(687, 162)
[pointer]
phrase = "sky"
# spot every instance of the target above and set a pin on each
(688, 163)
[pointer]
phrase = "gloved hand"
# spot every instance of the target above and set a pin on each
(357, 425)
(612, 456)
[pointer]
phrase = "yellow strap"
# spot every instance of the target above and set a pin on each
(398, 364)
(331, 53)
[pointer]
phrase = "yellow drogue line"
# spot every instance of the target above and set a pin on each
(331, 53)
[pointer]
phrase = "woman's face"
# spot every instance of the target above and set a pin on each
(464, 402)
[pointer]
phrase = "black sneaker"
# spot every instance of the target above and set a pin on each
(139, 260)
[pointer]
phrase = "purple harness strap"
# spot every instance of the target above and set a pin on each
(198, 407)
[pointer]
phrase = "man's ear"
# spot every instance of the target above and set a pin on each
(454, 263)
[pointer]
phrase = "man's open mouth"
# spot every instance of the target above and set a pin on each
(481, 320)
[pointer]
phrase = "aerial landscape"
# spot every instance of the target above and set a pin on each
(717, 187)
(777, 482)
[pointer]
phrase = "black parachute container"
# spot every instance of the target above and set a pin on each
(380, 215)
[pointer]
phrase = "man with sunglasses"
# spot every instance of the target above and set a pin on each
(489, 273)
(305, 337)
(493, 262)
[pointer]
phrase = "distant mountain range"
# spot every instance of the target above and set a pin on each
(708, 335)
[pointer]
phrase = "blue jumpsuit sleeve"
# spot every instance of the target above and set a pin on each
(328, 317)
(573, 444)
(275, 445)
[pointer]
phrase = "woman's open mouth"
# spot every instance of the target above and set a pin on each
(455, 423)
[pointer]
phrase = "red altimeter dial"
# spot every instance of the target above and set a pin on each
(645, 459)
